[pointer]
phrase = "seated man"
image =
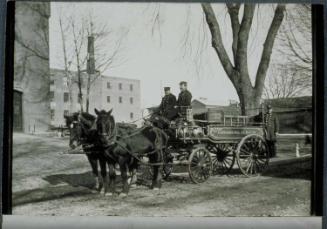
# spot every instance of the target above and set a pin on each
(167, 106)
(184, 99)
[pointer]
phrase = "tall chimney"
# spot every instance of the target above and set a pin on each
(90, 52)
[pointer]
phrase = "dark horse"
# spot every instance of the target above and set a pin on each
(83, 132)
(126, 150)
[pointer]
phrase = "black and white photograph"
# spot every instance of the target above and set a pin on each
(162, 109)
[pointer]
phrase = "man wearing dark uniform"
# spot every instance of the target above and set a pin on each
(184, 98)
(167, 106)
(272, 128)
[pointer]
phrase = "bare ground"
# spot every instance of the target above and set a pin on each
(46, 182)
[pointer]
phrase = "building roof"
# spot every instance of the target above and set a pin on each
(288, 104)
(52, 70)
(230, 109)
(211, 103)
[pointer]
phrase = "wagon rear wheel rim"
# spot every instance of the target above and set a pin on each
(252, 155)
(223, 158)
(200, 165)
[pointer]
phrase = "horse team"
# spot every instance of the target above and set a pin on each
(107, 143)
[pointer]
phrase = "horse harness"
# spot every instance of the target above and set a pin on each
(158, 144)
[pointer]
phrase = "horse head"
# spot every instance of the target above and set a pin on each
(74, 129)
(105, 126)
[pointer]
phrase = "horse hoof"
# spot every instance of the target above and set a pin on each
(109, 194)
(122, 194)
(156, 189)
(102, 192)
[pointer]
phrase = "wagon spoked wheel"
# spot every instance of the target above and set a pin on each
(200, 165)
(223, 158)
(252, 155)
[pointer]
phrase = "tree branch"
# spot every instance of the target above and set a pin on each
(217, 42)
(243, 37)
(233, 10)
(267, 48)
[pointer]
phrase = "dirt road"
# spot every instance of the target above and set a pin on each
(45, 182)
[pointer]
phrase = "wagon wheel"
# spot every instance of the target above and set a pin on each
(223, 157)
(200, 165)
(252, 155)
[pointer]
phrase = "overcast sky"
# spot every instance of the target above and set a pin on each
(157, 57)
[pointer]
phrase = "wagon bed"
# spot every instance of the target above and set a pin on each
(231, 139)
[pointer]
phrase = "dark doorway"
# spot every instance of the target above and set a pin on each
(18, 111)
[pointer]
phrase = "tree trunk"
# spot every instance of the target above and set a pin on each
(250, 104)
(238, 73)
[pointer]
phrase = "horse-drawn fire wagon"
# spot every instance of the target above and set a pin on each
(213, 145)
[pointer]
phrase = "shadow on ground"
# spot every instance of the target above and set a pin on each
(75, 180)
(295, 170)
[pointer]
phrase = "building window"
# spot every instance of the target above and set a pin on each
(52, 114)
(51, 96)
(131, 100)
(131, 115)
(120, 85)
(108, 85)
(66, 97)
(120, 99)
(66, 112)
(131, 87)
(52, 82)
(65, 81)
(108, 99)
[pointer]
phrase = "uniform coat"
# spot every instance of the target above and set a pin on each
(184, 100)
(167, 106)
(272, 126)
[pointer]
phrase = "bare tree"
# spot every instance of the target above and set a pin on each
(237, 67)
(292, 74)
(77, 57)
(99, 58)
(285, 83)
(67, 63)
(249, 95)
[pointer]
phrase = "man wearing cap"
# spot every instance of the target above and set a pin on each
(184, 97)
(167, 106)
(272, 128)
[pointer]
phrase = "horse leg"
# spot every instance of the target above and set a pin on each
(112, 178)
(93, 160)
(156, 179)
(133, 174)
(124, 176)
(103, 176)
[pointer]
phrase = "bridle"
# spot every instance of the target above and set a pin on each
(109, 138)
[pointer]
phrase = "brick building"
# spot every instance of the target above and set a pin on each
(121, 94)
(31, 110)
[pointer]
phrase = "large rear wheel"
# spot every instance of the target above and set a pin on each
(252, 155)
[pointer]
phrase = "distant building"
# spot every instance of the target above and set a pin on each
(31, 110)
(120, 94)
(201, 105)
(294, 114)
